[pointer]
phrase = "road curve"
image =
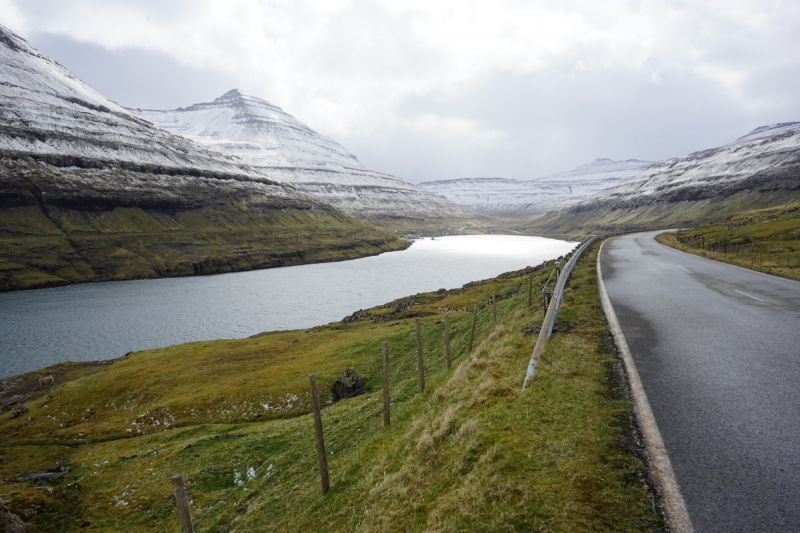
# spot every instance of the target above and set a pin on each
(717, 348)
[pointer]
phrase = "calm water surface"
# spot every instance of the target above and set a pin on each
(106, 320)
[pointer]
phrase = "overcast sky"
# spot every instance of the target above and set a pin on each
(447, 89)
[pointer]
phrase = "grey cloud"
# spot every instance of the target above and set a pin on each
(135, 77)
(709, 78)
(560, 118)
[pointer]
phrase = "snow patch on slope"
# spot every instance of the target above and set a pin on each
(509, 197)
(271, 140)
(101, 155)
(752, 161)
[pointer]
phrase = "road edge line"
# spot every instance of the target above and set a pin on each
(655, 451)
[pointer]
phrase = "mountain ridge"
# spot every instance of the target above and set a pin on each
(273, 141)
(511, 197)
(756, 171)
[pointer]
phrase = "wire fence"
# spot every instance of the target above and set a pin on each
(271, 479)
(780, 250)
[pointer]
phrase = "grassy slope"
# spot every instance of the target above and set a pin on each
(472, 452)
(669, 215)
(478, 225)
(70, 246)
(476, 454)
(758, 239)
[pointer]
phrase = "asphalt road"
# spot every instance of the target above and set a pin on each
(718, 351)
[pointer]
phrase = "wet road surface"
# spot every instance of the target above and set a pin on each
(718, 351)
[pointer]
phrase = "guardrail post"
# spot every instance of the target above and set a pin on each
(323, 459)
(385, 350)
(420, 364)
(472, 329)
(547, 295)
(182, 501)
(447, 337)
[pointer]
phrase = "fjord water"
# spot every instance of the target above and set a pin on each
(106, 320)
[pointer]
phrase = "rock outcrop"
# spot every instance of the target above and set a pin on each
(9, 522)
(350, 383)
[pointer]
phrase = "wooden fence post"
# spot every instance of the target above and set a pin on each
(472, 329)
(323, 460)
(530, 290)
(420, 365)
(385, 350)
(447, 337)
(182, 501)
(494, 311)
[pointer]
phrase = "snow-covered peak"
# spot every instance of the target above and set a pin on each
(764, 159)
(260, 133)
(600, 168)
(772, 130)
(24, 68)
(45, 109)
(266, 137)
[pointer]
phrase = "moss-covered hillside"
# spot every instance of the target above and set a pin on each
(67, 224)
(603, 217)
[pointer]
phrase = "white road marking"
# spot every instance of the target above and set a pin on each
(749, 295)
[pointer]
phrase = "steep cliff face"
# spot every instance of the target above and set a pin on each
(274, 142)
(509, 197)
(89, 191)
(758, 170)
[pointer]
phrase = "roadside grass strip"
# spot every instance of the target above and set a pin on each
(765, 240)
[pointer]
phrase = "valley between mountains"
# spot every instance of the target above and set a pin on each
(92, 191)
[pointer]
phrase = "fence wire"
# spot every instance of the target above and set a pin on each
(265, 482)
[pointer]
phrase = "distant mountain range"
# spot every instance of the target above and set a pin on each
(264, 136)
(759, 170)
(765, 159)
(509, 197)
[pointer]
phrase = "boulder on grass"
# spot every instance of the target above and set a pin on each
(349, 384)
(18, 410)
(9, 522)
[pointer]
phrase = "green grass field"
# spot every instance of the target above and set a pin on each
(470, 453)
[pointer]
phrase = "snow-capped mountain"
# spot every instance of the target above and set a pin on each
(92, 192)
(47, 110)
(766, 159)
(509, 197)
(271, 140)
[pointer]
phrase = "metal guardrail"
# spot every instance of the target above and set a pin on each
(552, 308)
